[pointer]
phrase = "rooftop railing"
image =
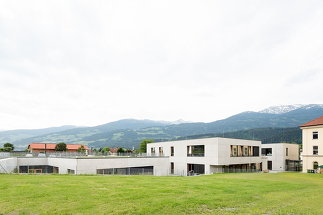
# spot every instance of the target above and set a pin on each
(74, 154)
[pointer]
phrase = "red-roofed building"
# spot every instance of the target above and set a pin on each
(317, 121)
(50, 147)
(312, 139)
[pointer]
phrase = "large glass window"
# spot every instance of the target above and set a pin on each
(195, 151)
(143, 170)
(255, 151)
(152, 151)
(266, 152)
(36, 169)
(315, 135)
(244, 151)
(193, 169)
(234, 151)
(161, 151)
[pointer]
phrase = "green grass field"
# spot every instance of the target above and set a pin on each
(283, 193)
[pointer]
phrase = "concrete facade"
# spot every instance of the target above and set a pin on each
(182, 158)
(280, 154)
(8, 165)
(217, 154)
(86, 165)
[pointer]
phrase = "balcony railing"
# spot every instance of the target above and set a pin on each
(195, 155)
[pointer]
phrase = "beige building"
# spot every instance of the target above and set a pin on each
(312, 154)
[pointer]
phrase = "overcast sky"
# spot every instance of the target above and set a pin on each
(92, 62)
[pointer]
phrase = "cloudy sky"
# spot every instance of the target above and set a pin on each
(92, 62)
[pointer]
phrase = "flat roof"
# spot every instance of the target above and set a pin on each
(226, 138)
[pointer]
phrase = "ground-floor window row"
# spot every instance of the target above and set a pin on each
(199, 169)
(143, 170)
(242, 168)
(293, 165)
(38, 169)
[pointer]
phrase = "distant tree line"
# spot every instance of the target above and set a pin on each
(265, 135)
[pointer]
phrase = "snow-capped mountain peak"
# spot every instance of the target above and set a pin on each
(287, 108)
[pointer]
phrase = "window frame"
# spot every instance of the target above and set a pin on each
(315, 150)
(315, 164)
(172, 151)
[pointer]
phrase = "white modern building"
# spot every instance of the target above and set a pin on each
(83, 165)
(281, 157)
(182, 158)
(210, 155)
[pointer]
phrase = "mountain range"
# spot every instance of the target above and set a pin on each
(278, 123)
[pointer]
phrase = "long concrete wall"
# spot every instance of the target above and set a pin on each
(88, 165)
(63, 164)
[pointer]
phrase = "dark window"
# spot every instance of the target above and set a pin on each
(152, 150)
(172, 151)
(161, 151)
(36, 169)
(293, 165)
(266, 151)
(234, 151)
(195, 151)
(171, 168)
(315, 165)
(315, 150)
(70, 171)
(193, 169)
(315, 135)
(143, 170)
(245, 151)
(270, 165)
(286, 151)
(255, 151)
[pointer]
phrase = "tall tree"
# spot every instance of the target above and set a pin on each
(143, 145)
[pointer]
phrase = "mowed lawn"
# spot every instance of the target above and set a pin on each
(283, 193)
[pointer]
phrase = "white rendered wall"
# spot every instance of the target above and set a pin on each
(90, 165)
(279, 156)
(217, 152)
(8, 165)
(63, 164)
(31, 161)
